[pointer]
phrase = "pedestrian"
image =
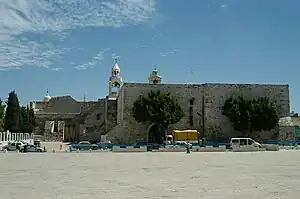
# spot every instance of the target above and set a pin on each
(17, 147)
(188, 147)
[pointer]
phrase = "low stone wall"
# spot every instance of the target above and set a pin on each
(289, 147)
(129, 149)
(209, 149)
(270, 147)
(170, 149)
(194, 149)
(248, 149)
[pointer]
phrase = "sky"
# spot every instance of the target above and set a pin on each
(68, 47)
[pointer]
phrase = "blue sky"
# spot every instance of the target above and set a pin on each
(69, 46)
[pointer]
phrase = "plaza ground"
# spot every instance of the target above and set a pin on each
(151, 175)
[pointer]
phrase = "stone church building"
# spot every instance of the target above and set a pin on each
(63, 117)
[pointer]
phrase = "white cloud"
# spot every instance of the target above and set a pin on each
(224, 6)
(57, 69)
(173, 52)
(94, 61)
(55, 18)
(115, 56)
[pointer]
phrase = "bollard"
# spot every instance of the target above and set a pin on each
(53, 150)
(90, 150)
(66, 150)
(78, 150)
(5, 150)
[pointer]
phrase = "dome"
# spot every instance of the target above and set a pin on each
(155, 74)
(154, 77)
(47, 98)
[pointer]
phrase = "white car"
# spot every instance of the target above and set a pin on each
(32, 148)
(244, 143)
(12, 146)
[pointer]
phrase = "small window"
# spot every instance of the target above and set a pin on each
(98, 116)
(250, 142)
(243, 142)
(192, 101)
(221, 100)
(235, 141)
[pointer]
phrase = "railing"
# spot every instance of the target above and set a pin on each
(8, 136)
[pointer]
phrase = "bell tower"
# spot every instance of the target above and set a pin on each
(115, 81)
(154, 77)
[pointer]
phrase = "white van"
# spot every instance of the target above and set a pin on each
(244, 143)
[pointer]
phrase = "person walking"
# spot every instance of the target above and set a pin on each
(188, 147)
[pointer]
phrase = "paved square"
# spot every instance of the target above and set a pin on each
(229, 175)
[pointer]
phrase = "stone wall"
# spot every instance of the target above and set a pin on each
(287, 133)
(101, 118)
(217, 94)
(111, 114)
(214, 95)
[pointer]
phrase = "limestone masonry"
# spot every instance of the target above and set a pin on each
(65, 118)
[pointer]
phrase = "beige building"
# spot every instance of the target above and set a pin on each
(112, 115)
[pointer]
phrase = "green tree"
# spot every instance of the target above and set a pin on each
(251, 115)
(23, 120)
(31, 119)
(159, 108)
(26, 120)
(12, 113)
(2, 114)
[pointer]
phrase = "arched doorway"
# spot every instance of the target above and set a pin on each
(155, 134)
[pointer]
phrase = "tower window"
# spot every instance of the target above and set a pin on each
(98, 116)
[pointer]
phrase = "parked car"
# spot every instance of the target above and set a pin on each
(32, 148)
(85, 145)
(12, 146)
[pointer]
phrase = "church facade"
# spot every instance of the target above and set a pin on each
(112, 115)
